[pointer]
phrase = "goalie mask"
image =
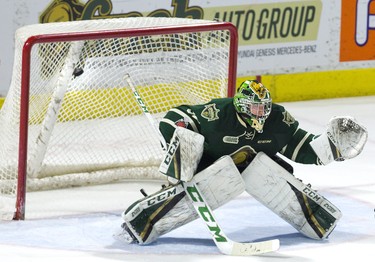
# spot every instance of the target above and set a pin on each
(253, 103)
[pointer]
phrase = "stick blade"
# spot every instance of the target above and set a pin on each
(250, 249)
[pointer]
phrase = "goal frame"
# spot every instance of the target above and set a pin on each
(93, 35)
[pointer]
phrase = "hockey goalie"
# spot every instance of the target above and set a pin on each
(231, 145)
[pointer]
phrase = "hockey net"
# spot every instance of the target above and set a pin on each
(70, 118)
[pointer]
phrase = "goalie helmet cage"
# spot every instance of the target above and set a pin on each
(70, 119)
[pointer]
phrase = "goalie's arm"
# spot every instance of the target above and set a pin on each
(298, 148)
(344, 138)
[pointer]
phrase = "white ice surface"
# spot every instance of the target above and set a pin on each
(78, 224)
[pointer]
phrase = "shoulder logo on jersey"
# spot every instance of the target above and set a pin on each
(236, 139)
(288, 119)
(210, 112)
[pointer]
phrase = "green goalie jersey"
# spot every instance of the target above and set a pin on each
(226, 133)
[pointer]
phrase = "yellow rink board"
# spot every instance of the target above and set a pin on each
(309, 86)
(319, 85)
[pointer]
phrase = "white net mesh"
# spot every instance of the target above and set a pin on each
(88, 129)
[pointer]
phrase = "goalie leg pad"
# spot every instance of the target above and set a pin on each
(170, 208)
(303, 208)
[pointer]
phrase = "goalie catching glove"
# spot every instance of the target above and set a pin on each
(344, 138)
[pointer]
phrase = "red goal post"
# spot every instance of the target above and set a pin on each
(65, 116)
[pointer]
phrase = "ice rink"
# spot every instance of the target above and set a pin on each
(78, 224)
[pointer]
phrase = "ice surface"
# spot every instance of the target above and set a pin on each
(78, 224)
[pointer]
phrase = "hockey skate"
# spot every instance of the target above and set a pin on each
(125, 235)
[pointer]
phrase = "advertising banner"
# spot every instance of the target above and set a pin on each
(275, 36)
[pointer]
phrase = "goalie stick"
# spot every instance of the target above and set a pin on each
(143, 106)
(223, 243)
